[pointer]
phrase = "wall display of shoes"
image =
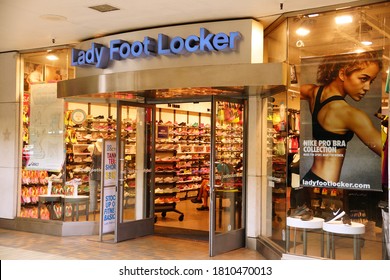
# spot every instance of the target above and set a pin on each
(166, 192)
(182, 162)
(34, 184)
(229, 144)
(129, 165)
(183, 157)
(276, 157)
(79, 136)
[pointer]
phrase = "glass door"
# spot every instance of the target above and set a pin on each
(135, 158)
(227, 178)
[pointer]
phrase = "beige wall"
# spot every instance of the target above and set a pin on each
(9, 134)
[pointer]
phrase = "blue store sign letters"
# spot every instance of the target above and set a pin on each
(100, 56)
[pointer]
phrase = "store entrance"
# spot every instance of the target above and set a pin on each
(199, 183)
(182, 169)
(135, 166)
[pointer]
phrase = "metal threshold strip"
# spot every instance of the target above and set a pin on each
(146, 81)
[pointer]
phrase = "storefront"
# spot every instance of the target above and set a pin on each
(167, 112)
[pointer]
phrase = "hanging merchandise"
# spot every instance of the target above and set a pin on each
(387, 87)
(220, 113)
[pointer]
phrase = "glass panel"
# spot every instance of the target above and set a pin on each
(135, 164)
(228, 165)
(364, 31)
(278, 134)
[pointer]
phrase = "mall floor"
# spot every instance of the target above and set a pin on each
(18, 245)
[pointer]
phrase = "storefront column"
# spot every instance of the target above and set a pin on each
(253, 171)
(10, 101)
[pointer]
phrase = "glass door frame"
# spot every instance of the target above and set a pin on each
(135, 228)
(234, 239)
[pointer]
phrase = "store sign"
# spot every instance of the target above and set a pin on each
(100, 56)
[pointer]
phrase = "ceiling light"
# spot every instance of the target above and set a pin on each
(52, 57)
(343, 19)
(313, 15)
(366, 43)
(302, 31)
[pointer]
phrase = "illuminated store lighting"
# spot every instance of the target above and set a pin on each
(343, 19)
(52, 57)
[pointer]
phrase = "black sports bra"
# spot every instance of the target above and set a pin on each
(319, 133)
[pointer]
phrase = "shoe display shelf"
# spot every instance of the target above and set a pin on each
(191, 158)
(35, 184)
(228, 141)
(78, 165)
(165, 181)
(192, 167)
(338, 227)
(130, 175)
(78, 138)
(297, 223)
(193, 154)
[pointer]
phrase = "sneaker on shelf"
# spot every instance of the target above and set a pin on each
(302, 212)
(297, 212)
(336, 215)
(308, 215)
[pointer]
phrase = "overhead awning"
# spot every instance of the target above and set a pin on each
(213, 76)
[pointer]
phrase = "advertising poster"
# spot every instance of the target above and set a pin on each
(109, 167)
(109, 206)
(162, 131)
(340, 141)
(46, 146)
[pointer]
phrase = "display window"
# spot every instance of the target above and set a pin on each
(43, 126)
(328, 177)
(182, 164)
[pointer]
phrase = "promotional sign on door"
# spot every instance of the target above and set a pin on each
(109, 168)
(109, 175)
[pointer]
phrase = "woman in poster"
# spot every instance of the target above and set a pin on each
(334, 121)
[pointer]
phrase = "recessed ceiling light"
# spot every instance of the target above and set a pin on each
(104, 8)
(343, 19)
(302, 31)
(52, 57)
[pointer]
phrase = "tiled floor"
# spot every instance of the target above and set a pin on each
(18, 245)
